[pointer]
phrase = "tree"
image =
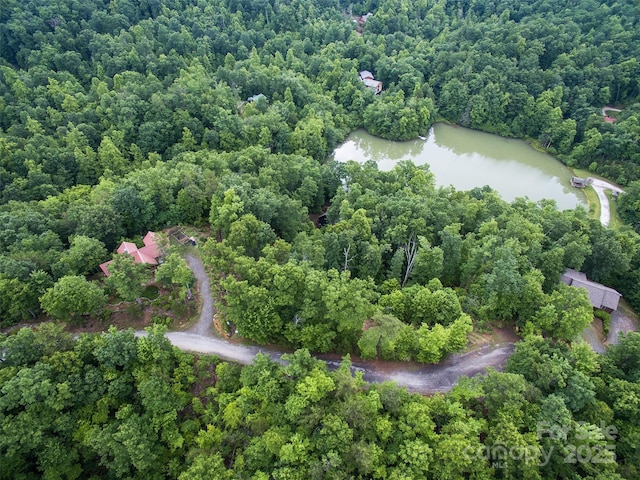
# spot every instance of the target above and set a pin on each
(73, 297)
(251, 310)
(555, 369)
(380, 339)
(250, 235)
(110, 157)
(83, 256)
(193, 203)
(452, 253)
(224, 213)
(573, 312)
(19, 300)
(442, 306)
(611, 254)
(458, 334)
(28, 346)
(308, 138)
(127, 277)
(348, 304)
(174, 271)
(433, 342)
(504, 285)
(136, 213)
(429, 262)
(205, 466)
(98, 221)
(623, 360)
(629, 205)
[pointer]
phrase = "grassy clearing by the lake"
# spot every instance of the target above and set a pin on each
(593, 201)
(614, 221)
(579, 172)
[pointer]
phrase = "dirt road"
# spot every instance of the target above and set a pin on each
(609, 109)
(620, 322)
(204, 325)
(415, 377)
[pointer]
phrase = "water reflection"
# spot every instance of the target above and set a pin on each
(467, 159)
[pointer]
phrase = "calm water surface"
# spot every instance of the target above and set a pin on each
(467, 159)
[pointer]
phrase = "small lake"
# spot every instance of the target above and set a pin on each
(467, 159)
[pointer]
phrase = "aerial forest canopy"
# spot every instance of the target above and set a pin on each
(121, 117)
(119, 407)
(89, 88)
(127, 117)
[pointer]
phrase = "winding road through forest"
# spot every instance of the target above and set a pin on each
(425, 379)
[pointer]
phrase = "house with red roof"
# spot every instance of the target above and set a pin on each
(148, 254)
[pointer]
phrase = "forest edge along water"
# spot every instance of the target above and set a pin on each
(466, 159)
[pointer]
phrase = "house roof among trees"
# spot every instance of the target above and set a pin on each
(127, 247)
(601, 296)
(367, 78)
(148, 254)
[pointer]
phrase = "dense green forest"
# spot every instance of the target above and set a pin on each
(121, 117)
(423, 259)
(113, 406)
(92, 86)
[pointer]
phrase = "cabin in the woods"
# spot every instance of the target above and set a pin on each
(370, 82)
(600, 296)
(362, 19)
(579, 182)
(255, 98)
(148, 254)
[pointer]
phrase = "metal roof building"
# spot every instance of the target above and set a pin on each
(601, 296)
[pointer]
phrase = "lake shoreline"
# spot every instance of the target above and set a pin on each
(467, 158)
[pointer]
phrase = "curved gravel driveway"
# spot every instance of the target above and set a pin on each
(426, 379)
(600, 186)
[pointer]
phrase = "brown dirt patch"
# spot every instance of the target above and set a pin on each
(217, 326)
(120, 320)
(369, 323)
(497, 336)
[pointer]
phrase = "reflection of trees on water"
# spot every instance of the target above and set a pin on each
(465, 141)
(378, 149)
(569, 190)
(476, 142)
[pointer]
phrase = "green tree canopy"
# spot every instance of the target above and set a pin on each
(72, 297)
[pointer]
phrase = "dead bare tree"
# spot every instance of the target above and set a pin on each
(347, 258)
(410, 251)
